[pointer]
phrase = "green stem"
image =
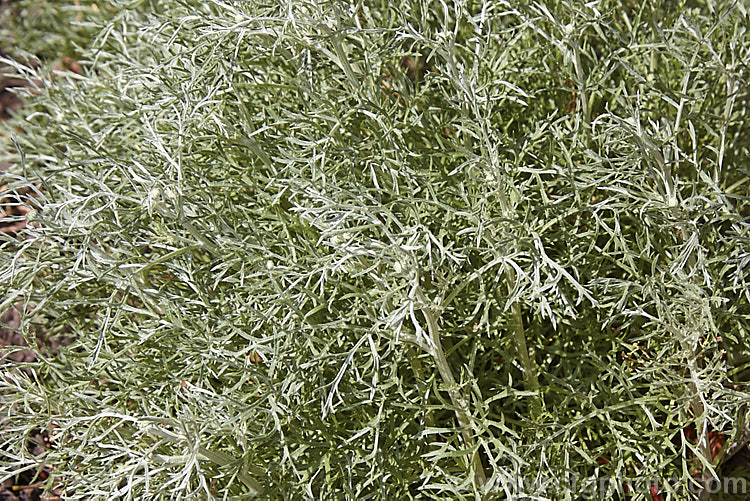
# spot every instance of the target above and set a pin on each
(519, 336)
(516, 324)
(581, 82)
(457, 398)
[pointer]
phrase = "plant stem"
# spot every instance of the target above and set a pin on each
(519, 335)
(581, 82)
(455, 394)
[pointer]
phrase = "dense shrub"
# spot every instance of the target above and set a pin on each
(384, 250)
